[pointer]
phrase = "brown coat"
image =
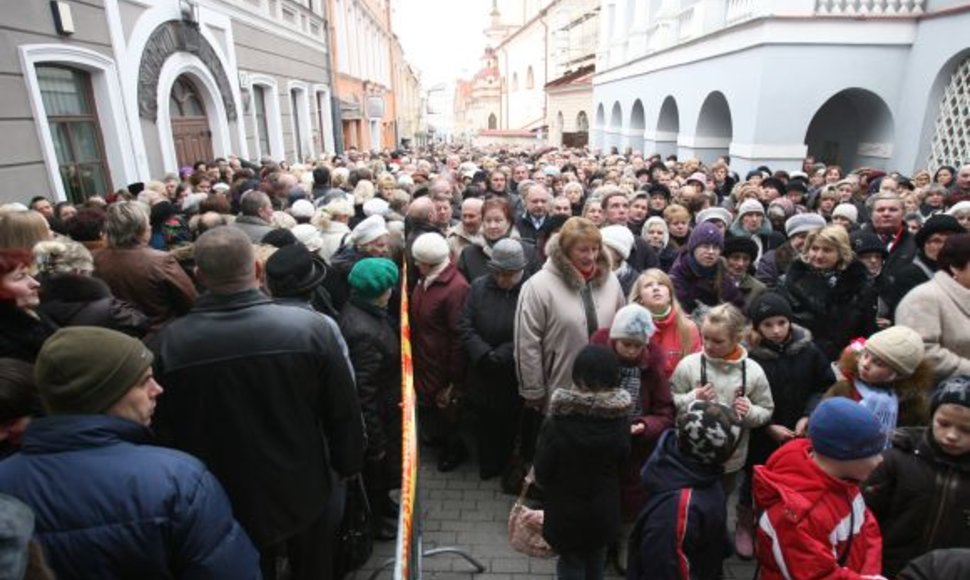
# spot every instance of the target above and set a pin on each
(913, 392)
(439, 353)
(151, 280)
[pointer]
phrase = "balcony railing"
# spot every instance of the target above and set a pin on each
(869, 7)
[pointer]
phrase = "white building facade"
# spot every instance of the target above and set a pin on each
(100, 95)
(851, 82)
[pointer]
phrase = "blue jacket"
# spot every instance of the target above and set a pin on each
(681, 533)
(107, 505)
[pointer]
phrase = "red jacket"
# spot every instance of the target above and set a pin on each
(439, 353)
(805, 519)
(666, 341)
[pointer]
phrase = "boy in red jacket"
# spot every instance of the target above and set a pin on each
(813, 521)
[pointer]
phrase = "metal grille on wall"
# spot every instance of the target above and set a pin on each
(951, 138)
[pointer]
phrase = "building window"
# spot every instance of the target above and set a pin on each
(492, 121)
(951, 137)
(530, 81)
(297, 130)
(262, 126)
(73, 120)
(582, 123)
(515, 81)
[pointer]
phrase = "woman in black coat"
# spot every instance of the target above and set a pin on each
(830, 291)
(23, 329)
(375, 354)
(487, 329)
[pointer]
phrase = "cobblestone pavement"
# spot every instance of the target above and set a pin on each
(461, 510)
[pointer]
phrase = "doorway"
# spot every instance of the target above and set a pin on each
(190, 126)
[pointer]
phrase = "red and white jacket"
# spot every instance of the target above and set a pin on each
(805, 519)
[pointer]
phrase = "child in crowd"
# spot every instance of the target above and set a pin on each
(582, 444)
(680, 533)
(814, 522)
(676, 334)
(798, 374)
(887, 374)
(920, 494)
(641, 375)
(723, 373)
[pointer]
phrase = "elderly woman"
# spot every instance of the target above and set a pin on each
(375, 354)
(22, 229)
(560, 307)
(150, 279)
(369, 239)
(830, 291)
(487, 328)
(332, 220)
(939, 310)
(474, 260)
(70, 296)
(656, 233)
(22, 328)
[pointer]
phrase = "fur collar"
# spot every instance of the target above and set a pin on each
(609, 404)
(913, 392)
(559, 264)
(800, 339)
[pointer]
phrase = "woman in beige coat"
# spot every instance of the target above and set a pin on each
(939, 310)
(559, 307)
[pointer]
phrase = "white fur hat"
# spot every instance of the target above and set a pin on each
(430, 248)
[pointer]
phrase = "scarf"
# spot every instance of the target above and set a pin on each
(699, 270)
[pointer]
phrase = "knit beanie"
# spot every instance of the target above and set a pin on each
(618, 237)
(953, 391)
(508, 256)
(767, 305)
(844, 430)
(751, 206)
(937, 224)
(804, 222)
(848, 211)
(707, 432)
(86, 369)
(430, 248)
(864, 242)
(634, 323)
(714, 213)
(899, 347)
(705, 233)
(368, 230)
(782, 205)
(371, 277)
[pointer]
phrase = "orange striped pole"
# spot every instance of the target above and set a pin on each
(407, 555)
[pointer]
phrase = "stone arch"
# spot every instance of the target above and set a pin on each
(668, 127)
(637, 125)
(614, 132)
(492, 121)
(853, 127)
(177, 36)
(714, 132)
(599, 126)
(944, 139)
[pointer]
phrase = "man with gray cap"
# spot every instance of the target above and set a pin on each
(107, 503)
(774, 263)
(487, 327)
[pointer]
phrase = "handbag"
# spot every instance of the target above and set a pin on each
(354, 540)
(525, 527)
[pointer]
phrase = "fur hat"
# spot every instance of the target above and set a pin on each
(844, 430)
(959, 207)
(618, 237)
(707, 432)
(740, 244)
(714, 213)
(953, 391)
(848, 211)
(769, 304)
(302, 209)
(864, 242)
(371, 277)
(430, 248)
(751, 206)
(596, 368)
(368, 230)
(376, 206)
(86, 369)
(309, 236)
(899, 347)
(804, 222)
(634, 323)
(705, 233)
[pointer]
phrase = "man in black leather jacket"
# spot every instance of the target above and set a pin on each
(264, 395)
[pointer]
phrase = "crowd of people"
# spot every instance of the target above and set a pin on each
(196, 372)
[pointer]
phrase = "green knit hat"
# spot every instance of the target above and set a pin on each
(85, 369)
(371, 277)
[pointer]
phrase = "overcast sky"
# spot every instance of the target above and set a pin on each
(443, 39)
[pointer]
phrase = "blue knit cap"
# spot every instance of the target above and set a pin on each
(842, 429)
(705, 233)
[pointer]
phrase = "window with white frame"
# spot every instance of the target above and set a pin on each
(262, 122)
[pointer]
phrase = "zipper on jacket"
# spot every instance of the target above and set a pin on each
(947, 483)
